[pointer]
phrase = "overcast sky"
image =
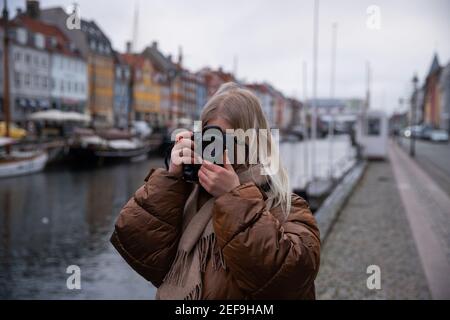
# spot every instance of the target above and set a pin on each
(272, 38)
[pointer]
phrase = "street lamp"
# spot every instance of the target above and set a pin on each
(412, 149)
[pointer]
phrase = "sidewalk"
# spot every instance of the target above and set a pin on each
(428, 209)
(372, 229)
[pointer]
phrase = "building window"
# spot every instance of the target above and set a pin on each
(93, 45)
(36, 81)
(44, 82)
(27, 58)
(373, 127)
(27, 79)
(17, 79)
(17, 56)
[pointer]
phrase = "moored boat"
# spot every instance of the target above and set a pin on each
(18, 163)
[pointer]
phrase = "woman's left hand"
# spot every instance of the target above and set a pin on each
(217, 180)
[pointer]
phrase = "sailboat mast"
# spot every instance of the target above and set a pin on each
(6, 107)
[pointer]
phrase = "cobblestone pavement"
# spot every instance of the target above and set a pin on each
(372, 229)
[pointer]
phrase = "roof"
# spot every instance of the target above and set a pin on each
(89, 28)
(434, 65)
(41, 27)
(132, 59)
(159, 60)
(47, 30)
(258, 87)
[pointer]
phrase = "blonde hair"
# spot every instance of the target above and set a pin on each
(242, 110)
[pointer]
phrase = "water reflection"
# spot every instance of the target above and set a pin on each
(61, 217)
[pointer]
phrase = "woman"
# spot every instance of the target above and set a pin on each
(237, 234)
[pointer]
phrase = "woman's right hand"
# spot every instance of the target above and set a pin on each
(182, 153)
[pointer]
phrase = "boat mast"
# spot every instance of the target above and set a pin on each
(6, 107)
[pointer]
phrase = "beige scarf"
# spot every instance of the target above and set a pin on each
(197, 243)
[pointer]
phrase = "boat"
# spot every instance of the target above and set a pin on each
(112, 145)
(17, 163)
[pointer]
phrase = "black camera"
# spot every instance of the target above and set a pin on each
(210, 145)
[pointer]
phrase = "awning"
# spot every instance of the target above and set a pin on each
(59, 116)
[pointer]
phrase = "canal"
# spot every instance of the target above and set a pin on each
(60, 217)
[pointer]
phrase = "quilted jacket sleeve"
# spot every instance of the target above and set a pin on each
(148, 228)
(268, 259)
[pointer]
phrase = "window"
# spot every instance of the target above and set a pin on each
(22, 36)
(36, 60)
(17, 56)
(36, 81)
(17, 79)
(93, 45)
(44, 82)
(27, 79)
(27, 58)
(373, 127)
(39, 41)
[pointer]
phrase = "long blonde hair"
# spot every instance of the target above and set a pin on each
(242, 110)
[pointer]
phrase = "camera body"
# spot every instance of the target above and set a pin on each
(212, 142)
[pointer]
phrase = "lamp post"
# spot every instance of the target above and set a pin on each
(412, 146)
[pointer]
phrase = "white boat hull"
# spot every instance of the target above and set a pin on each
(23, 166)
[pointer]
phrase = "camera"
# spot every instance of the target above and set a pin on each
(210, 144)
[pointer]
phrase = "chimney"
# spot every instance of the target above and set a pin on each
(32, 9)
(155, 44)
(169, 57)
(18, 11)
(128, 47)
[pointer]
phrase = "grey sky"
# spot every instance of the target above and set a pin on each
(272, 38)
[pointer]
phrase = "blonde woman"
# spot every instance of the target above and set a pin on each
(239, 233)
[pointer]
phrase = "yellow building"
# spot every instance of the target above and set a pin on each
(101, 86)
(145, 92)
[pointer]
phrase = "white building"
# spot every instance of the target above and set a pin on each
(45, 70)
(69, 81)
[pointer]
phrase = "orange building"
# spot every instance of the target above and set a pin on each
(432, 106)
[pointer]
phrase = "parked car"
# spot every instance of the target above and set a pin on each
(425, 131)
(416, 130)
(439, 136)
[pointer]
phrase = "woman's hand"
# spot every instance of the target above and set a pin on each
(182, 153)
(217, 180)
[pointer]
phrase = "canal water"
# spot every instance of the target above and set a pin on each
(64, 216)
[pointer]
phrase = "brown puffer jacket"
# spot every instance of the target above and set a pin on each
(265, 259)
